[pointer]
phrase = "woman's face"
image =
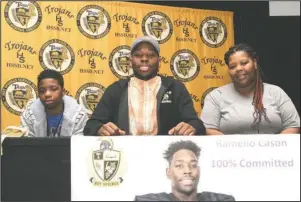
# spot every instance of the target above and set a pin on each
(242, 69)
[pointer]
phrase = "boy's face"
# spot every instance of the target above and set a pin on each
(50, 93)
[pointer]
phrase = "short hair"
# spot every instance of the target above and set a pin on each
(179, 145)
(52, 74)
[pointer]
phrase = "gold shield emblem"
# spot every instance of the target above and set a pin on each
(57, 57)
(184, 66)
(91, 100)
(123, 64)
(94, 22)
(21, 97)
(157, 27)
(213, 30)
(106, 161)
(24, 14)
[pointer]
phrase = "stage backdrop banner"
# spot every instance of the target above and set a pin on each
(250, 167)
(89, 43)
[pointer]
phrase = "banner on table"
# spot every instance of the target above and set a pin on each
(265, 167)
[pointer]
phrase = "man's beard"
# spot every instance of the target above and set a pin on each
(145, 77)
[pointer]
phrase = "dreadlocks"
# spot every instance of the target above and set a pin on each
(259, 109)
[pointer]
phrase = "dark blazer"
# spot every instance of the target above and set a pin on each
(174, 105)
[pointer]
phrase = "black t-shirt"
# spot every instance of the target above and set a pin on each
(204, 196)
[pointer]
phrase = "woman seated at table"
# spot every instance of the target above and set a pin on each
(247, 105)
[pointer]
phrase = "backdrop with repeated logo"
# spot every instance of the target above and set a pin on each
(89, 43)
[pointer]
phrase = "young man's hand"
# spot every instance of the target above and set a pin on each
(109, 129)
(182, 129)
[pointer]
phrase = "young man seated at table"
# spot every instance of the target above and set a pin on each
(147, 103)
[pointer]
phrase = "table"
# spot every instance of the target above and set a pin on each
(40, 169)
(35, 169)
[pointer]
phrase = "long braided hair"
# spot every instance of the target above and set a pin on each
(259, 109)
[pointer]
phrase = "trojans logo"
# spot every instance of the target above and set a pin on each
(88, 95)
(157, 25)
(213, 32)
(184, 65)
(16, 93)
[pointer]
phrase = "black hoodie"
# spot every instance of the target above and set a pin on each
(178, 107)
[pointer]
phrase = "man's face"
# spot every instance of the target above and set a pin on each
(145, 61)
(184, 172)
(50, 93)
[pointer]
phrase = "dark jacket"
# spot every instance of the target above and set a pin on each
(204, 196)
(174, 105)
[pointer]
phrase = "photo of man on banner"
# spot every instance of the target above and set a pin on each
(184, 174)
